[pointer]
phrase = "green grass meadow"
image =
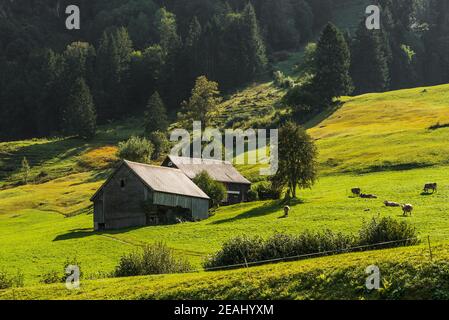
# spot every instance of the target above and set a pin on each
(378, 142)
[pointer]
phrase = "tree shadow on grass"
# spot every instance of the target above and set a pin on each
(89, 232)
(266, 209)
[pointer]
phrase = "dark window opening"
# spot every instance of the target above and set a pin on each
(122, 183)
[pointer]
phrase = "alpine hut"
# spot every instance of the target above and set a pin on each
(139, 195)
(236, 185)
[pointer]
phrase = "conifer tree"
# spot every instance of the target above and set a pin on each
(333, 62)
(113, 64)
(155, 115)
(369, 65)
(78, 116)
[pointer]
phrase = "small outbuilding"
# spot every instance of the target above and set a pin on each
(237, 186)
(137, 195)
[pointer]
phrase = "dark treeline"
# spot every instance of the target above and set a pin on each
(411, 48)
(128, 49)
(54, 81)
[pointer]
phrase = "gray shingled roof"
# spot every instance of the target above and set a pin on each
(162, 179)
(167, 180)
(222, 171)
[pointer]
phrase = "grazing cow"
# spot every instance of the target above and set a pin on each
(430, 186)
(368, 196)
(407, 209)
(356, 191)
(286, 211)
(391, 204)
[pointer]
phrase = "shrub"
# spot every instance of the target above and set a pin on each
(135, 149)
(160, 143)
(51, 277)
(253, 195)
(10, 281)
(154, 259)
(238, 250)
(387, 229)
(267, 191)
(241, 250)
(214, 189)
(281, 81)
(244, 249)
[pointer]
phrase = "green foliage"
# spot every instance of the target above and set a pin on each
(155, 115)
(267, 191)
(112, 67)
(308, 64)
(297, 159)
(135, 149)
(253, 195)
(369, 65)
(281, 81)
(10, 281)
(160, 143)
(165, 23)
(245, 249)
(153, 259)
(387, 229)
(214, 189)
(238, 250)
(78, 117)
(203, 101)
(51, 277)
(333, 61)
(25, 170)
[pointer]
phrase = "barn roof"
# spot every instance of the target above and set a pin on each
(222, 171)
(162, 179)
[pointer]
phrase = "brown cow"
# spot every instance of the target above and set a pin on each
(430, 186)
(356, 191)
(407, 209)
(391, 204)
(368, 196)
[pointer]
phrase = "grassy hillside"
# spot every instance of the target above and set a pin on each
(367, 143)
(406, 274)
(41, 234)
(386, 131)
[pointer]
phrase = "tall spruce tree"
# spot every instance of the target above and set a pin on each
(155, 115)
(78, 116)
(256, 59)
(112, 69)
(333, 62)
(369, 65)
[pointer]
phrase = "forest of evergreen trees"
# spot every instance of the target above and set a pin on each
(54, 81)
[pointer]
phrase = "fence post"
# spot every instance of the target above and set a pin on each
(430, 248)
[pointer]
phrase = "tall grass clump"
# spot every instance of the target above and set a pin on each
(153, 259)
(388, 230)
(10, 281)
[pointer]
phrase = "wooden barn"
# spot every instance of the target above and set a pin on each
(222, 171)
(139, 195)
